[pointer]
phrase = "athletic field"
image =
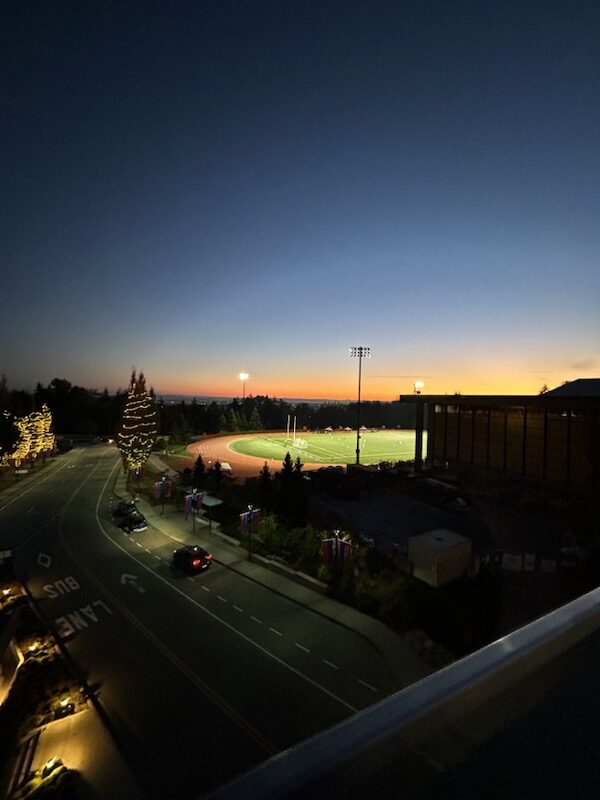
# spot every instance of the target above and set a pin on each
(338, 447)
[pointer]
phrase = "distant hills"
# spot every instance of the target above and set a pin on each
(178, 398)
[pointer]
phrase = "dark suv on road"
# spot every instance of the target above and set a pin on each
(191, 558)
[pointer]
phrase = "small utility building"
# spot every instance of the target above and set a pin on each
(440, 556)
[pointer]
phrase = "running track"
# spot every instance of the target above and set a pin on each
(217, 448)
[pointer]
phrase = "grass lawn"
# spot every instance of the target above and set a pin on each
(338, 447)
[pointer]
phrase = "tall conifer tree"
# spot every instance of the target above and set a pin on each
(139, 425)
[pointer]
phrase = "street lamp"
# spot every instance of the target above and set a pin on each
(244, 377)
(250, 510)
(360, 353)
(418, 386)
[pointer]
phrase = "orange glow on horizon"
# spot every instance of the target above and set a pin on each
(371, 390)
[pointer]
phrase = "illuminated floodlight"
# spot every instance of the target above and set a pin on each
(419, 385)
(360, 353)
(244, 377)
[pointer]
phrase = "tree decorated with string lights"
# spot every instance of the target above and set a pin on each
(139, 425)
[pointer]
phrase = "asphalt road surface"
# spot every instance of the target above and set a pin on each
(200, 677)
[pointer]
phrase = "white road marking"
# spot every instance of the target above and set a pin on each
(237, 608)
(330, 664)
(146, 549)
(214, 616)
(274, 630)
(301, 646)
(254, 619)
(190, 578)
(29, 510)
(205, 588)
(367, 685)
(222, 599)
(158, 558)
(138, 544)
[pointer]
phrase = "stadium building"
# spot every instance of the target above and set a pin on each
(551, 440)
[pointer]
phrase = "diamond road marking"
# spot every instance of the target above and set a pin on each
(44, 560)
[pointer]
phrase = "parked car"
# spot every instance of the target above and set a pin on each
(191, 558)
(133, 523)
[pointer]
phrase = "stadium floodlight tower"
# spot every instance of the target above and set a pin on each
(244, 377)
(419, 385)
(360, 353)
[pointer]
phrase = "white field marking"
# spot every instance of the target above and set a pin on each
(366, 685)
(274, 630)
(330, 664)
(205, 588)
(301, 646)
(237, 608)
(209, 613)
(255, 619)
(222, 599)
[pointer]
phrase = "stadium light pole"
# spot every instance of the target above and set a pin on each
(360, 353)
(244, 377)
(418, 386)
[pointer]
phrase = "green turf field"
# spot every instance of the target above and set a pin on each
(338, 447)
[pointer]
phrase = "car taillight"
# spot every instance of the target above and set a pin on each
(196, 562)
(208, 556)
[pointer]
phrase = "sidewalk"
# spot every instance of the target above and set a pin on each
(403, 664)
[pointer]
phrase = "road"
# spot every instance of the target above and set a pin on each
(201, 677)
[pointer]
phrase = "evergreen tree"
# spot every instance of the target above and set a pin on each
(222, 423)
(264, 476)
(199, 471)
(233, 423)
(138, 426)
(216, 477)
(298, 467)
(255, 423)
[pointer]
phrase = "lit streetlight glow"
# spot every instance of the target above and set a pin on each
(360, 353)
(244, 377)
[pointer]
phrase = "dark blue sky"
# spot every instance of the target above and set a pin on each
(204, 187)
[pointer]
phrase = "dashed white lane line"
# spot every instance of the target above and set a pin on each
(189, 577)
(29, 510)
(222, 599)
(138, 544)
(255, 619)
(275, 631)
(237, 608)
(146, 549)
(366, 685)
(205, 588)
(330, 664)
(158, 558)
(301, 646)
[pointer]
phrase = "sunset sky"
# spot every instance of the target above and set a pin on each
(200, 188)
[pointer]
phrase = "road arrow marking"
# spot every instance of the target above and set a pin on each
(131, 580)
